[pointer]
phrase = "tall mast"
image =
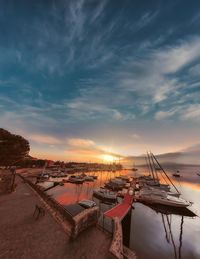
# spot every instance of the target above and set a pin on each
(165, 173)
(151, 166)
(154, 166)
(147, 165)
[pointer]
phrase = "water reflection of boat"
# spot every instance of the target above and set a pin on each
(104, 194)
(159, 208)
(167, 222)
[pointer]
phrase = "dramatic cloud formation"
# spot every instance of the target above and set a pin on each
(116, 76)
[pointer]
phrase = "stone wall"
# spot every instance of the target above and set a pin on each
(116, 248)
(78, 223)
(85, 219)
(5, 181)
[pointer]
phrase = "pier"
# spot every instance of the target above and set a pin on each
(121, 209)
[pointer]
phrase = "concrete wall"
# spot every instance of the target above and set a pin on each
(85, 219)
(5, 181)
(79, 223)
(116, 248)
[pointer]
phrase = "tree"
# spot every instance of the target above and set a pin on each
(13, 148)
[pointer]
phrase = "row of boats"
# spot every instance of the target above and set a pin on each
(157, 193)
(147, 188)
(79, 179)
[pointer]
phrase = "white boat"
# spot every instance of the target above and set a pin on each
(105, 194)
(152, 183)
(163, 198)
(87, 204)
(160, 192)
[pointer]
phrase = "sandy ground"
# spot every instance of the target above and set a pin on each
(22, 236)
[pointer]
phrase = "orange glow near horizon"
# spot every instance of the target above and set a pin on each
(108, 158)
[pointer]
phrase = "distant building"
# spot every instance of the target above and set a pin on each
(49, 163)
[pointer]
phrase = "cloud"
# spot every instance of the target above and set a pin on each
(160, 115)
(45, 139)
(140, 83)
(145, 20)
(78, 142)
(192, 112)
(135, 136)
(195, 70)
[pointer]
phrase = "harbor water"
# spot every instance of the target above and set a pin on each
(151, 232)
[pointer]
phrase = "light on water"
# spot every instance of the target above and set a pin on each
(152, 233)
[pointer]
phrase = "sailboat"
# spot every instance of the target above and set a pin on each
(162, 195)
(163, 198)
(134, 168)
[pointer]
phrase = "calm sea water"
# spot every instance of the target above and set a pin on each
(151, 233)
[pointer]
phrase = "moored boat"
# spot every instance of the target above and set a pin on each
(104, 194)
(88, 178)
(75, 179)
(162, 198)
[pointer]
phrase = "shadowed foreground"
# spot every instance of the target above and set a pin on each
(22, 236)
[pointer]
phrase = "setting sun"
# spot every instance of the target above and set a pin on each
(108, 158)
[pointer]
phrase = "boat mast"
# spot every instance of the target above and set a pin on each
(150, 166)
(165, 173)
(154, 166)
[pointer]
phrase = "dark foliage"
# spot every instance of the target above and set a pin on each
(13, 148)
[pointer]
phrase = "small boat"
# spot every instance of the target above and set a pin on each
(88, 178)
(94, 176)
(115, 184)
(75, 179)
(87, 204)
(177, 174)
(61, 183)
(124, 178)
(134, 168)
(104, 194)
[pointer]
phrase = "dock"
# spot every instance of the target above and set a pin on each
(121, 209)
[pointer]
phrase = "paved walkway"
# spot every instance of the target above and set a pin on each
(22, 236)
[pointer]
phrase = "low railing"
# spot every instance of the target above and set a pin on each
(79, 222)
(51, 201)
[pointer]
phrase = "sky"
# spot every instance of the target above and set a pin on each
(85, 79)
